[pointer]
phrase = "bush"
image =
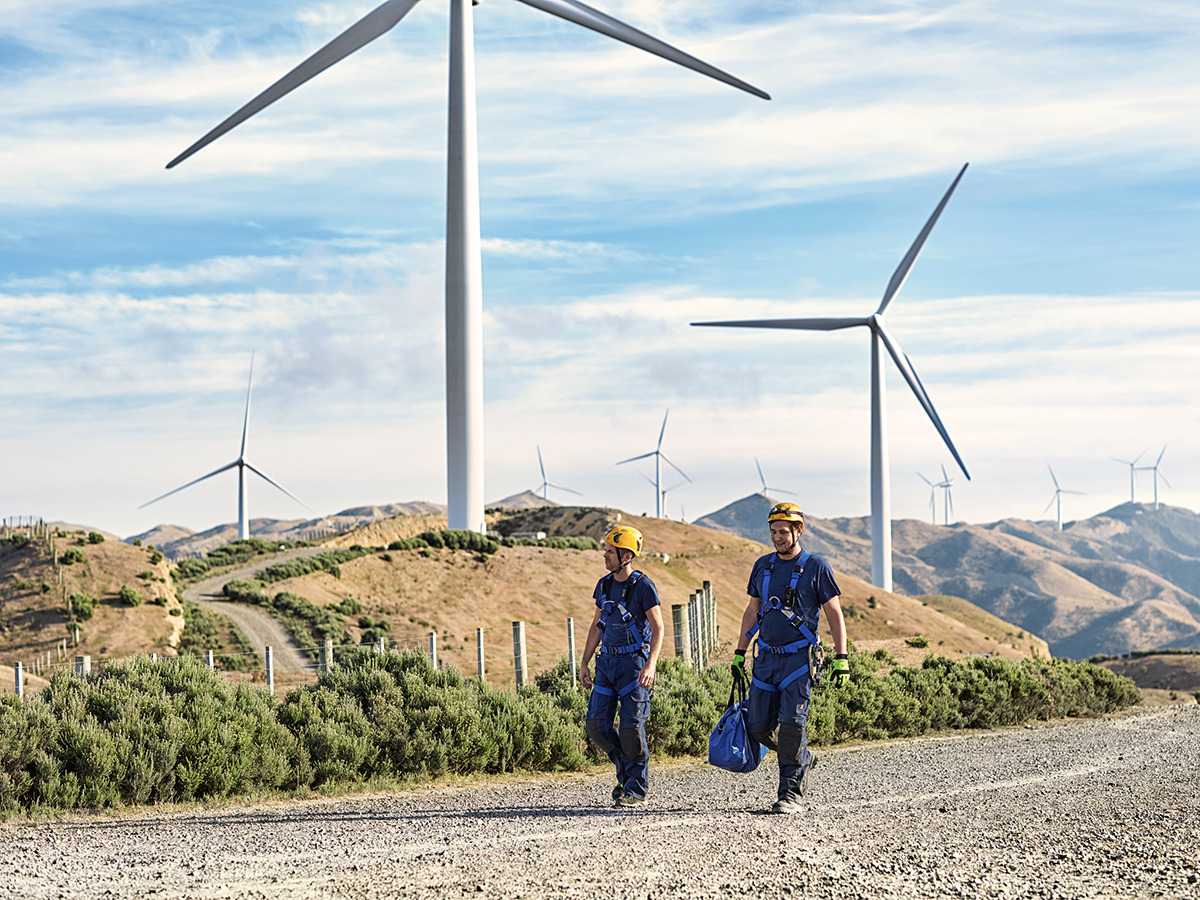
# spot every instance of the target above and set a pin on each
(190, 569)
(245, 590)
(95, 537)
(129, 596)
(71, 556)
(141, 732)
(82, 606)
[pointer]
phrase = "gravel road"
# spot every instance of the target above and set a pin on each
(260, 628)
(1088, 809)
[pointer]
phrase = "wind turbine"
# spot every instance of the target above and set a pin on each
(1057, 498)
(947, 501)
(659, 459)
(1133, 466)
(664, 491)
(881, 499)
(545, 485)
(464, 283)
(763, 479)
(933, 489)
(1157, 474)
(242, 466)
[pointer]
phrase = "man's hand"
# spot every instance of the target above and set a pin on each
(840, 670)
(646, 675)
(585, 677)
(740, 678)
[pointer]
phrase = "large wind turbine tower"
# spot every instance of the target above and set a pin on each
(464, 280)
(881, 339)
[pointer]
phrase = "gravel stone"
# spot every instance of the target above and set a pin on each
(1086, 809)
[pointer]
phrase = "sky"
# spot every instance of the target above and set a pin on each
(1053, 316)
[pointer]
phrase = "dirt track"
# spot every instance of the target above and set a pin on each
(260, 628)
(1092, 809)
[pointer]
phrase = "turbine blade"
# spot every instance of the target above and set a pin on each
(540, 466)
(664, 429)
(636, 458)
(1051, 503)
(675, 467)
(246, 421)
(1163, 477)
(190, 483)
(910, 375)
(559, 487)
(924, 479)
(358, 35)
(760, 474)
(801, 324)
(1052, 478)
(901, 273)
(1160, 456)
(280, 487)
(594, 19)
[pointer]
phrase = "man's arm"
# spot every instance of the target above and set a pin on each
(654, 617)
(589, 649)
(749, 618)
(837, 624)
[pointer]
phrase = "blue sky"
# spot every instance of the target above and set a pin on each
(1053, 316)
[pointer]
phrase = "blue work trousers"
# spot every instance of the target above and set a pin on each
(627, 747)
(777, 718)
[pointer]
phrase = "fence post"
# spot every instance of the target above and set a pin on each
(380, 645)
(714, 629)
(694, 632)
(325, 657)
(433, 649)
(153, 657)
(571, 651)
(479, 653)
(519, 658)
(83, 666)
(208, 659)
(270, 671)
(19, 669)
(680, 627)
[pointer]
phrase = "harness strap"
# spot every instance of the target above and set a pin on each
(764, 597)
(609, 606)
(623, 650)
(775, 689)
(620, 692)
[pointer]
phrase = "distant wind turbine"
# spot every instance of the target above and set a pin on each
(1056, 500)
(242, 465)
(1157, 474)
(664, 491)
(881, 499)
(933, 489)
(947, 501)
(1133, 466)
(464, 287)
(545, 485)
(659, 459)
(763, 479)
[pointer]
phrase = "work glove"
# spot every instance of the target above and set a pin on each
(740, 678)
(840, 670)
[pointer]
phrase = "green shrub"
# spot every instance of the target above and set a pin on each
(82, 606)
(129, 596)
(191, 568)
(917, 640)
(349, 607)
(70, 556)
(245, 590)
(95, 537)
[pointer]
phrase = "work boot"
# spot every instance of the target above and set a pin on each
(618, 792)
(812, 764)
(627, 800)
(786, 806)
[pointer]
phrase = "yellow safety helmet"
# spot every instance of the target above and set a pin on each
(786, 512)
(625, 538)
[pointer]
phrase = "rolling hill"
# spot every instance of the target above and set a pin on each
(1125, 580)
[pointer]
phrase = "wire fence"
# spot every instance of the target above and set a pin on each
(504, 657)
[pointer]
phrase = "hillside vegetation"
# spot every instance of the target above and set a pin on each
(1126, 580)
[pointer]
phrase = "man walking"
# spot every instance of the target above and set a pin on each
(627, 632)
(788, 589)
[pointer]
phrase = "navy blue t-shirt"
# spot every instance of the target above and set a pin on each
(641, 596)
(814, 588)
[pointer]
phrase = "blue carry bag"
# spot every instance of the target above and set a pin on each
(731, 746)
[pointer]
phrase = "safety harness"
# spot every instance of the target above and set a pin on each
(608, 608)
(786, 607)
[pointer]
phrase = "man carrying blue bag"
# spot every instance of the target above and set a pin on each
(788, 589)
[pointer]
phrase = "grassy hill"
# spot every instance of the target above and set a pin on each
(456, 592)
(34, 592)
(1125, 580)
